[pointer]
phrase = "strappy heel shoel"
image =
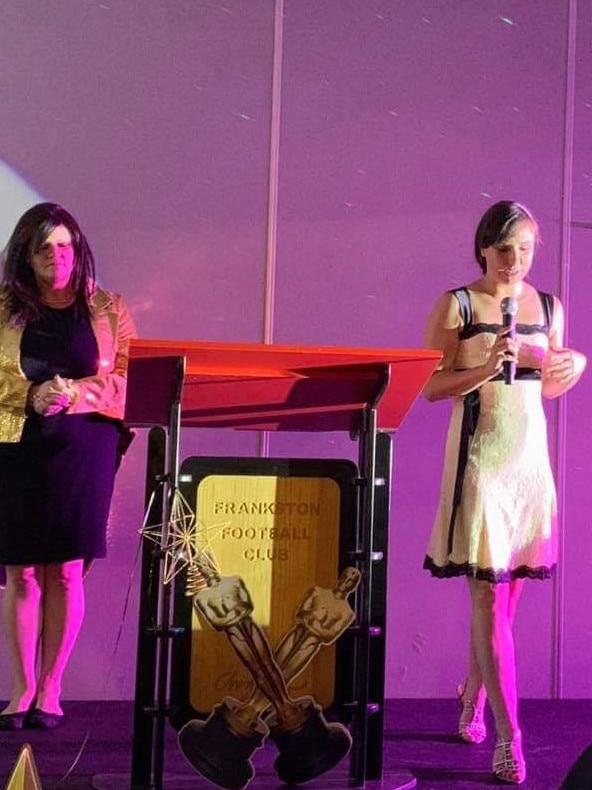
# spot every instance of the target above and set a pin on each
(508, 761)
(471, 725)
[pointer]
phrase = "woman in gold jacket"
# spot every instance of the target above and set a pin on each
(63, 359)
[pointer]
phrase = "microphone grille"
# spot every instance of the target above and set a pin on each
(509, 305)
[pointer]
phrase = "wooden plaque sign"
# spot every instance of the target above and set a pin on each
(279, 526)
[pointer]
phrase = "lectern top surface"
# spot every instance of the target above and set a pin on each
(203, 356)
(273, 387)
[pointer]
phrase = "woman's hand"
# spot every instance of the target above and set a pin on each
(562, 364)
(504, 349)
(561, 369)
(52, 397)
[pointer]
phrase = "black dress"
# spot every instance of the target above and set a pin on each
(56, 483)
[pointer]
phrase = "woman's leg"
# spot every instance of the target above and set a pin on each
(474, 687)
(22, 599)
(493, 607)
(472, 696)
(63, 612)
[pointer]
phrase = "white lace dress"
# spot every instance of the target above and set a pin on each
(504, 525)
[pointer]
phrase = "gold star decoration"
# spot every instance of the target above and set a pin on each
(187, 542)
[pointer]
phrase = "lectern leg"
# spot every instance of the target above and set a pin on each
(372, 551)
(148, 643)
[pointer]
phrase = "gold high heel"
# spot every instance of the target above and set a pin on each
(508, 760)
(471, 726)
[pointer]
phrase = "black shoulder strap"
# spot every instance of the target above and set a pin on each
(466, 309)
(548, 303)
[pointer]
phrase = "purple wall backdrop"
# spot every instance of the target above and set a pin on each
(398, 124)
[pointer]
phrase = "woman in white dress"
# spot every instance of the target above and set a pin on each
(496, 517)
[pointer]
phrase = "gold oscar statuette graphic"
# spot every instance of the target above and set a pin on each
(321, 618)
(220, 748)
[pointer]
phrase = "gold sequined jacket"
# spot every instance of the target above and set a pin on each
(103, 393)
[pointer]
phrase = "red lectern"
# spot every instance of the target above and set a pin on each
(366, 392)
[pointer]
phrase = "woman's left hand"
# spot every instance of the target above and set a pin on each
(560, 364)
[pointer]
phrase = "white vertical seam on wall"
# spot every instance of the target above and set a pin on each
(566, 217)
(274, 150)
(272, 190)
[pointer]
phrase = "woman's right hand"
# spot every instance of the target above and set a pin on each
(504, 349)
(51, 397)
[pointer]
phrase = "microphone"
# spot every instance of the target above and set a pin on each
(509, 308)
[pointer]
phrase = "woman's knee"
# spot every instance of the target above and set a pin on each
(488, 597)
(66, 575)
(25, 581)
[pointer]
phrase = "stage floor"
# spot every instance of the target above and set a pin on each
(419, 740)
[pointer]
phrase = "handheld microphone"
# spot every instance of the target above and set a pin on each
(509, 308)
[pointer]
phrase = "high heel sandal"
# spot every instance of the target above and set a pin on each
(508, 760)
(471, 726)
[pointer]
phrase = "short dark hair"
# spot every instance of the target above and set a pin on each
(498, 222)
(30, 233)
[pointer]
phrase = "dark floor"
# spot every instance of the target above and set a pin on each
(419, 742)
